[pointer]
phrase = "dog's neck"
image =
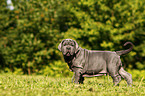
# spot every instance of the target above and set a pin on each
(68, 59)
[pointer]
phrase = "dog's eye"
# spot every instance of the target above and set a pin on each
(72, 44)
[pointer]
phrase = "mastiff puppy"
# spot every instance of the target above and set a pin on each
(85, 62)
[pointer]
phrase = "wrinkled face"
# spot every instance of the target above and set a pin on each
(68, 47)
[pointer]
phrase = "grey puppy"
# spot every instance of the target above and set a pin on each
(85, 62)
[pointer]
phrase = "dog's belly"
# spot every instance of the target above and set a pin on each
(95, 68)
(93, 72)
(97, 62)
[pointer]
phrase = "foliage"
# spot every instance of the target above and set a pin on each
(30, 34)
(31, 28)
(56, 69)
(20, 85)
(137, 74)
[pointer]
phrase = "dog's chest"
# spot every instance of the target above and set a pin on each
(79, 62)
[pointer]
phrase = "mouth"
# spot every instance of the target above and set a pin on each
(67, 54)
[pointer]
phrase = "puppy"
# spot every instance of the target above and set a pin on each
(85, 62)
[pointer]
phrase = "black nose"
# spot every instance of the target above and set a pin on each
(68, 48)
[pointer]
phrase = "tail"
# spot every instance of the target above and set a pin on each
(125, 51)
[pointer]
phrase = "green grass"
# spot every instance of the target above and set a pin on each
(20, 85)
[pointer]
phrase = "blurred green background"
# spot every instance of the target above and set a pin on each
(31, 31)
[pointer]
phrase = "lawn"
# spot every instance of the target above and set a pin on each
(23, 85)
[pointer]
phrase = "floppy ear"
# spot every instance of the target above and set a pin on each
(59, 46)
(77, 46)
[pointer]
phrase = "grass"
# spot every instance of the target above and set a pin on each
(21, 85)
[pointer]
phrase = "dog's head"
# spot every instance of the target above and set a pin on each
(68, 47)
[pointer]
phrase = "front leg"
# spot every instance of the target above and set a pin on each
(72, 80)
(77, 75)
(81, 80)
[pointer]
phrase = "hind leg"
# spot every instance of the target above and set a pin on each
(113, 69)
(116, 79)
(127, 76)
(115, 76)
